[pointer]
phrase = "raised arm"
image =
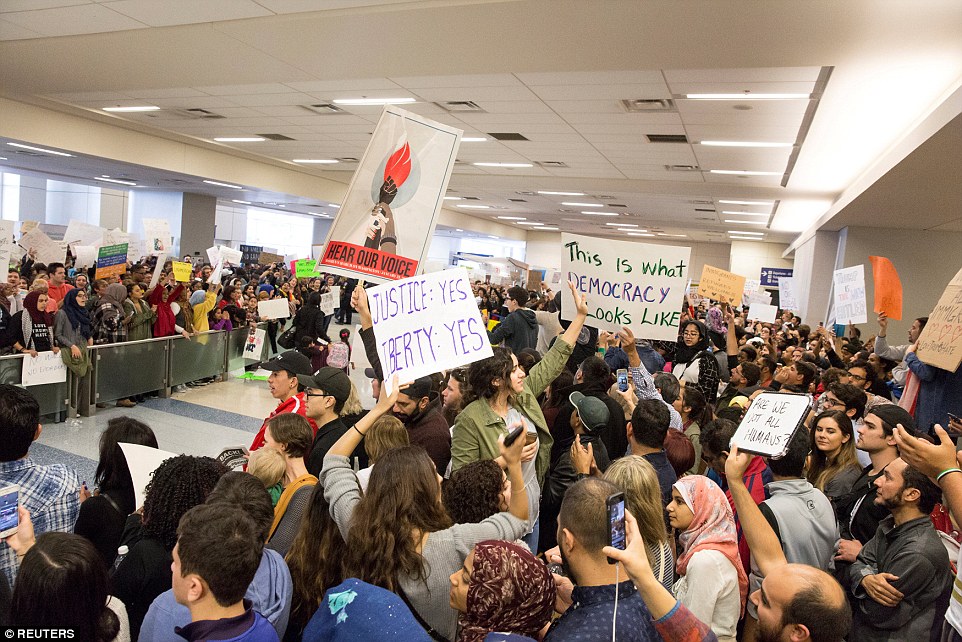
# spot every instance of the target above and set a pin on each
(761, 539)
(570, 335)
(348, 442)
(643, 381)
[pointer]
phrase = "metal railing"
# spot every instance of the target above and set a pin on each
(54, 398)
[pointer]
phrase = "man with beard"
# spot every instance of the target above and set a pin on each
(417, 408)
(326, 393)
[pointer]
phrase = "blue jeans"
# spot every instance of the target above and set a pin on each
(531, 539)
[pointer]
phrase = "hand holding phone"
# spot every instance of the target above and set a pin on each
(622, 376)
(9, 514)
(513, 435)
(617, 534)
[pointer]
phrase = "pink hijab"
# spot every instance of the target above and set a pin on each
(712, 527)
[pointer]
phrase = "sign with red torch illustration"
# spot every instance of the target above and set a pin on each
(384, 226)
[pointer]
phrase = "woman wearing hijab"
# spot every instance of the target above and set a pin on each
(161, 298)
(501, 587)
(30, 329)
(73, 332)
(110, 323)
(694, 364)
(712, 583)
(7, 292)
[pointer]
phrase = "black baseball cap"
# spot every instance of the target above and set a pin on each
(332, 381)
(292, 361)
(419, 388)
(592, 411)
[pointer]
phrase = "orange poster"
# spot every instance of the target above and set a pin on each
(888, 288)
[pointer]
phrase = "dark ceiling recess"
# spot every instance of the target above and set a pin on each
(507, 136)
(517, 200)
(275, 137)
(667, 138)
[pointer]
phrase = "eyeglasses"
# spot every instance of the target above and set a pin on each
(690, 334)
(308, 393)
(852, 375)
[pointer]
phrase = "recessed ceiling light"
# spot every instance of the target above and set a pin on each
(747, 233)
(137, 108)
(40, 149)
(601, 213)
(512, 218)
(728, 220)
(373, 101)
(452, 198)
(680, 236)
(639, 234)
(475, 207)
(621, 224)
(745, 238)
(745, 213)
(766, 203)
(747, 96)
(502, 164)
(240, 139)
(113, 180)
(234, 200)
(529, 223)
(492, 237)
(633, 230)
(333, 204)
(458, 229)
(473, 139)
(547, 229)
(584, 204)
(735, 143)
(316, 161)
(744, 172)
(3, 158)
(223, 184)
(561, 193)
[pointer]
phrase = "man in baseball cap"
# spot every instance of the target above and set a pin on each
(418, 409)
(286, 383)
(325, 394)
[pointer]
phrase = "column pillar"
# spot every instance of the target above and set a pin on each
(197, 223)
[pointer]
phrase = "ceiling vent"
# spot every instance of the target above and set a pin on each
(621, 205)
(507, 136)
(704, 218)
(604, 197)
(648, 105)
(324, 109)
(471, 198)
(550, 164)
(196, 113)
(667, 138)
(701, 202)
(517, 200)
(275, 137)
(24, 152)
(460, 106)
(526, 193)
(705, 209)
(683, 168)
(567, 211)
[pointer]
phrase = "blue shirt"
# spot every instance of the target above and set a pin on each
(589, 618)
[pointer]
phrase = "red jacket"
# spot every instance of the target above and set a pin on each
(296, 404)
(164, 325)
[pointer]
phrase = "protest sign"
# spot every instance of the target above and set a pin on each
(940, 343)
(182, 270)
(533, 282)
(111, 261)
(6, 244)
(158, 268)
(384, 226)
(329, 301)
(627, 283)
(306, 269)
(266, 258)
(85, 255)
(224, 255)
(46, 250)
(157, 236)
(116, 236)
(250, 253)
(762, 296)
(770, 422)
(254, 347)
(849, 288)
(46, 367)
(274, 309)
(763, 312)
(720, 285)
(142, 461)
(786, 293)
(426, 324)
(888, 288)
(27, 226)
(751, 287)
(80, 233)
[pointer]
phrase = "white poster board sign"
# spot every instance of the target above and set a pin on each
(425, 324)
(786, 293)
(762, 296)
(47, 250)
(273, 309)
(142, 461)
(763, 312)
(86, 255)
(6, 244)
(157, 236)
(330, 300)
(751, 287)
(46, 367)
(770, 422)
(158, 268)
(849, 292)
(627, 283)
(254, 346)
(80, 233)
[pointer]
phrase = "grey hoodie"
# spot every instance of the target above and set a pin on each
(518, 330)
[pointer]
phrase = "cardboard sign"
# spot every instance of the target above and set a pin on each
(385, 223)
(849, 288)
(306, 269)
(254, 347)
(720, 285)
(6, 244)
(274, 309)
(770, 422)
(763, 312)
(250, 253)
(426, 324)
(888, 288)
(111, 261)
(142, 461)
(182, 270)
(157, 236)
(940, 343)
(47, 250)
(266, 258)
(533, 282)
(627, 283)
(786, 293)
(46, 367)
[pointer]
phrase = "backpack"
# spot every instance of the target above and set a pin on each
(338, 354)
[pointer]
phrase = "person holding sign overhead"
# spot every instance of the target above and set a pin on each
(694, 362)
(501, 396)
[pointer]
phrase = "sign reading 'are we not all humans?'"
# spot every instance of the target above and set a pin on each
(635, 284)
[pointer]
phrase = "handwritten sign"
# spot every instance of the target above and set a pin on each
(250, 253)
(786, 293)
(427, 323)
(850, 295)
(182, 270)
(157, 236)
(330, 300)
(751, 286)
(47, 250)
(266, 258)
(627, 283)
(721, 285)
(6, 244)
(770, 422)
(111, 261)
(305, 269)
(888, 287)
(46, 367)
(940, 343)
(762, 296)
(80, 233)
(254, 346)
(763, 312)
(274, 309)
(142, 461)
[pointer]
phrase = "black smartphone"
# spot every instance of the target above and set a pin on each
(617, 534)
(513, 435)
(622, 376)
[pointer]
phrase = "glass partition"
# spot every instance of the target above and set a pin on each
(130, 368)
(52, 397)
(202, 356)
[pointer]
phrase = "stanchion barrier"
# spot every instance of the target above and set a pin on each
(54, 398)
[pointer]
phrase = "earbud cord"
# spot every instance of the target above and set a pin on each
(614, 617)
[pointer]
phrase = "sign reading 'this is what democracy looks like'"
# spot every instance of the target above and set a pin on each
(635, 284)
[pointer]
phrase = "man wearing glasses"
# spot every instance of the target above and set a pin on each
(326, 393)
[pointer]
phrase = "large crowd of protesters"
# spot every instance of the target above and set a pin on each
(414, 519)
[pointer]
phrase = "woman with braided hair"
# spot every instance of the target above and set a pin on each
(178, 484)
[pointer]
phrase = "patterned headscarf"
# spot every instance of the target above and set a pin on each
(510, 590)
(711, 528)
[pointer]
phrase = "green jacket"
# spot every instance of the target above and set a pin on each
(477, 428)
(140, 326)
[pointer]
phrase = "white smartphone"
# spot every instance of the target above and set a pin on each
(9, 518)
